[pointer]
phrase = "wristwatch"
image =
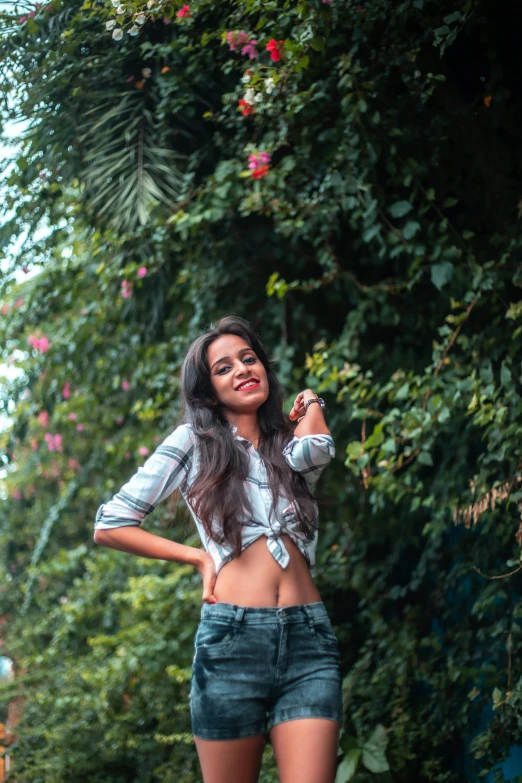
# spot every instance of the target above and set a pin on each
(309, 402)
(319, 400)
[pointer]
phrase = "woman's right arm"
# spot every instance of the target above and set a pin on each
(118, 521)
(136, 541)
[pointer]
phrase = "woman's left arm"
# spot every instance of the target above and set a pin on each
(314, 422)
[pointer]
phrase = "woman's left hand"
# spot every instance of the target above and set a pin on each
(298, 408)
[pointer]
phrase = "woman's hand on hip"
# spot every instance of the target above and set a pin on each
(298, 408)
(207, 569)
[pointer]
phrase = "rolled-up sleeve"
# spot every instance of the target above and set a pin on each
(309, 455)
(163, 472)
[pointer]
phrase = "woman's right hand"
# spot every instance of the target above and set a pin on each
(207, 569)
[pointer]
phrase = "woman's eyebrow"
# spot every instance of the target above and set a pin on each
(224, 358)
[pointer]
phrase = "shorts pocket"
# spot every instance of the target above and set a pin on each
(324, 635)
(214, 637)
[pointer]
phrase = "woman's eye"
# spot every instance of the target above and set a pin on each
(250, 359)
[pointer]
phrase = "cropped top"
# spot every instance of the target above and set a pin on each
(175, 464)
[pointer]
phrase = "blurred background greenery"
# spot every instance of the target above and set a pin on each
(347, 176)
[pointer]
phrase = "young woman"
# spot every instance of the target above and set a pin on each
(264, 647)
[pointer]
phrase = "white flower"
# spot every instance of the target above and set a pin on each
(110, 24)
(120, 9)
(117, 34)
(249, 95)
(134, 30)
(140, 19)
(115, 2)
(246, 78)
(258, 97)
(146, 73)
(150, 3)
(269, 85)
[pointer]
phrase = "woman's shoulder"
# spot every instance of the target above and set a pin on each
(182, 437)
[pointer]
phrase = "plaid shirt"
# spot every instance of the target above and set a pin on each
(175, 464)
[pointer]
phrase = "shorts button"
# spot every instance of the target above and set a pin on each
(282, 613)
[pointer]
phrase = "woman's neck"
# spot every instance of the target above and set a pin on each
(247, 425)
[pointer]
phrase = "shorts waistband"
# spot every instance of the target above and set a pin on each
(259, 615)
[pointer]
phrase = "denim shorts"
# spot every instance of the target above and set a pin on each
(254, 665)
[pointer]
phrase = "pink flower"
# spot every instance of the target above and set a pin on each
(43, 418)
(142, 271)
(19, 302)
(80, 427)
(31, 14)
(34, 444)
(22, 19)
(16, 494)
(250, 49)
(73, 464)
(40, 343)
(125, 385)
(184, 11)
(126, 289)
(275, 48)
(156, 438)
(166, 20)
(66, 390)
(327, 1)
(5, 309)
(257, 162)
(72, 416)
(237, 38)
(127, 455)
(44, 344)
(120, 420)
(130, 79)
(54, 442)
(143, 450)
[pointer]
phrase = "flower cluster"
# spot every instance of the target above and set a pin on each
(40, 343)
(275, 48)
(54, 442)
(184, 11)
(258, 164)
(251, 96)
(126, 289)
(240, 38)
(32, 14)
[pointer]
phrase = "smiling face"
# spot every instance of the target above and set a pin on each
(237, 376)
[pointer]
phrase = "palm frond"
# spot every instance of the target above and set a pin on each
(126, 173)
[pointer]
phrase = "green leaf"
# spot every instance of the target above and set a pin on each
(373, 751)
(348, 766)
(441, 273)
(410, 229)
(400, 208)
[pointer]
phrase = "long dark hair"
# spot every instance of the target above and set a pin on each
(218, 494)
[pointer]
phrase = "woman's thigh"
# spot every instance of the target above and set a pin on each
(223, 761)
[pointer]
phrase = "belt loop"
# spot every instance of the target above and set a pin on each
(309, 616)
(240, 611)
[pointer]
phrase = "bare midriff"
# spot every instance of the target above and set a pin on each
(255, 578)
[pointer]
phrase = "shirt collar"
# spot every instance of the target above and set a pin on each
(233, 430)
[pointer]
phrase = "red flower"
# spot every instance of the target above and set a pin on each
(246, 108)
(184, 11)
(261, 171)
(275, 48)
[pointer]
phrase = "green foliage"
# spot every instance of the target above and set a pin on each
(377, 256)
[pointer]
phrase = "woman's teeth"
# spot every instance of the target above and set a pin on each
(248, 385)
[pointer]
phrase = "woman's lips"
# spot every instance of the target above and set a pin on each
(250, 386)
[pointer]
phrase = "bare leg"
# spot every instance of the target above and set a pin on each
(223, 761)
(305, 750)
